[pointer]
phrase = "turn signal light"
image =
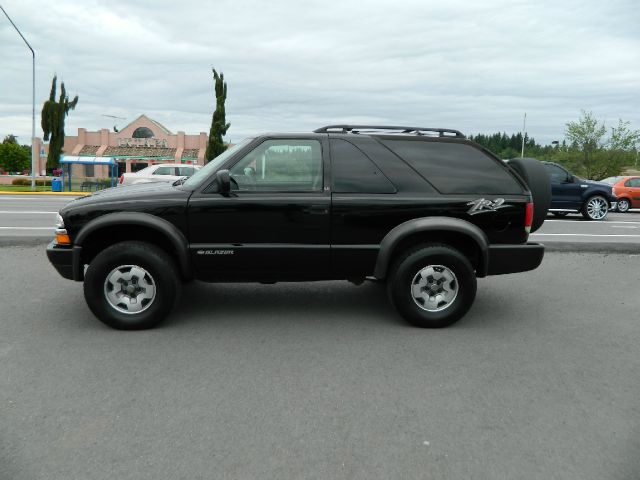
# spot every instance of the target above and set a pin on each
(528, 217)
(63, 239)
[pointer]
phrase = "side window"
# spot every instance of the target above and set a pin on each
(353, 172)
(635, 182)
(164, 171)
(280, 165)
(557, 174)
(455, 168)
(185, 171)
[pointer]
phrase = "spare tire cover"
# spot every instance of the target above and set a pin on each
(537, 179)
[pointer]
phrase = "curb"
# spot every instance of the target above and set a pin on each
(55, 194)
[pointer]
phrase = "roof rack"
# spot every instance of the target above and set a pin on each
(355, 129)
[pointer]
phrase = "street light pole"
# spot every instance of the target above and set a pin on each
(524, 133)
(34, 153)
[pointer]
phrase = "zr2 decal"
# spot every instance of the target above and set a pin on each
(483, 205)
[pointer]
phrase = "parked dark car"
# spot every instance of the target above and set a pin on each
(571, 194)
(424, 210)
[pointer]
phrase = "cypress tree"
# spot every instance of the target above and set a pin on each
(52, 121)
(218, 126)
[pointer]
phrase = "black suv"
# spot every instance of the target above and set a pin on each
(571, 194)
(423, 209)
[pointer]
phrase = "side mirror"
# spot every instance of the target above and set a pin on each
(224, 182)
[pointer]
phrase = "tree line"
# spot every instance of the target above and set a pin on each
(590, 149)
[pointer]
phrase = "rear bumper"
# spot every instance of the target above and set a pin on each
(66, 260)
(514, 258)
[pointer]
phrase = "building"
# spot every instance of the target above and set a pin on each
(141, 143)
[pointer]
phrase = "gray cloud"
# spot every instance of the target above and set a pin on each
(474, 66)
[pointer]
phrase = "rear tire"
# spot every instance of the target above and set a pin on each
(537, 179)
(432, 286)
(132, 285)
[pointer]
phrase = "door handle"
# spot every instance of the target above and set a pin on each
(316, 210)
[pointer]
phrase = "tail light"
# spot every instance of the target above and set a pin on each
(121, 178)
(528, 217)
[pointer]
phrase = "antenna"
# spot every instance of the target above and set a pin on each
(115, 127)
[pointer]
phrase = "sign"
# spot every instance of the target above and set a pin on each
(142, 142)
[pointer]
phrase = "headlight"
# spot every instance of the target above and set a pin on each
(62, 237)
(59, 221)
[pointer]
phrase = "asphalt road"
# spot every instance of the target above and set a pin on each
(29, 220)
(324, 381)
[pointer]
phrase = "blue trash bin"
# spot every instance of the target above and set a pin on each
(56, 184)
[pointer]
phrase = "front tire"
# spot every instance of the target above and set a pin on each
(132, 285)
(595, 208)
(623, 205)
(432, 286)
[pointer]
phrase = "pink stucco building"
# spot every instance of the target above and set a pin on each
(143, 142)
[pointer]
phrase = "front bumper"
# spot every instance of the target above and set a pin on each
(514, 258)
(66, 260)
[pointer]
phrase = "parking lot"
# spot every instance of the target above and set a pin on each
(324, 380)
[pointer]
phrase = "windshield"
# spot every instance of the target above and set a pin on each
(205, 172)
(611, 180)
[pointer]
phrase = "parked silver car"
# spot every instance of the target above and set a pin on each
(160, 172)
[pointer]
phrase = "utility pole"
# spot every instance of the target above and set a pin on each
(524, 133)
(34, 153)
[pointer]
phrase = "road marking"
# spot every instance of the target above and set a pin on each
(17, 212)
(622, 226)
(22, 198)
(580, 235)
(592, 222)
(27, 228)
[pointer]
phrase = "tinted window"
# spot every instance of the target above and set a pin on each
(455, 168)
(185, 171)
(354, 172)
(280, 165)
(634, 182)
(557, 174)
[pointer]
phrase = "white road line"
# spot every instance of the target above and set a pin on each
(27, 228)
(580, 235)
(592, 222)
(42, 199)
(622, 226)
(18, 212)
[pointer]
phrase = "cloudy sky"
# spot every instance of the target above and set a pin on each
(295, 65)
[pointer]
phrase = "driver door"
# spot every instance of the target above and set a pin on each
(274, 225)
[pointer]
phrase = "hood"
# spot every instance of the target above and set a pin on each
(596, 182)
(132, 197)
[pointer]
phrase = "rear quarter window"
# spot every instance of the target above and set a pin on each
(455, 168)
